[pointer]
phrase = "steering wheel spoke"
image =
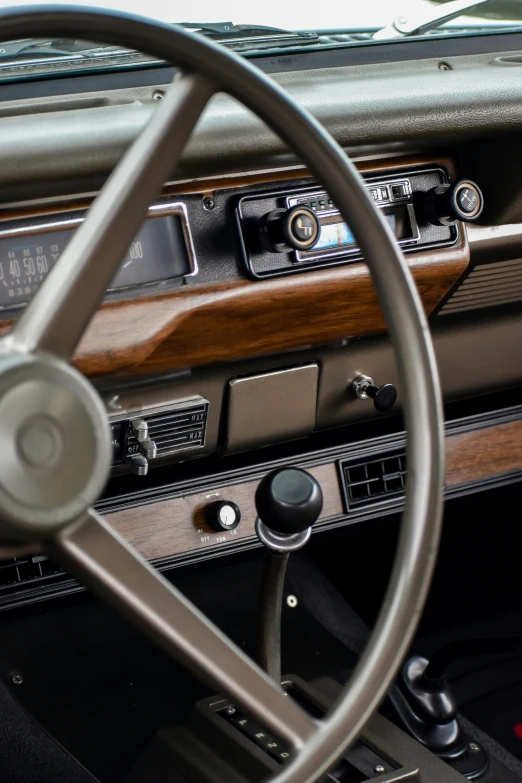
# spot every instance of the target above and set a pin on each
(67, 299)
(105, 562)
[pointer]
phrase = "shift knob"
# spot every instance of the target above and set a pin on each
(288, 501)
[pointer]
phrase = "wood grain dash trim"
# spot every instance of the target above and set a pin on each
(483, 454)
(172, 527)
(177, 526)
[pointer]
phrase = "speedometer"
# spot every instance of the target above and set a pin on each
(161, 251)
(22, 268)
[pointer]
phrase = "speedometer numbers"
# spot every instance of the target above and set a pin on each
(24, 268)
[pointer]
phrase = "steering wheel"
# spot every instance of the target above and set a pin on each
(54, 438)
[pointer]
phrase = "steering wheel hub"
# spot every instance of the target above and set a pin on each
(55, 445)
(40, 442)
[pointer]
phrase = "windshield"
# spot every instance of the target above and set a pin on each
(242, 26)
(299, 15)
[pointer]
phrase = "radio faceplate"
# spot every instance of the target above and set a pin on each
(400, 197)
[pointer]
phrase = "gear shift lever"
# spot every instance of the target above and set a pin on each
(288, 502)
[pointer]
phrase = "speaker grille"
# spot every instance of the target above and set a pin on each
(488, 285)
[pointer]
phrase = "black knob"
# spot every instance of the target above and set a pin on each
(446, 204)
(285, 229)
(289, 501)
(384, 397)
(222, 515)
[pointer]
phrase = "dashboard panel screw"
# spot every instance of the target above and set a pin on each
(444, 67)
(209, 203)
(158, 95)
(379, 769)
(230, 710)
(291, 601)
(474, 747)
(16, 678)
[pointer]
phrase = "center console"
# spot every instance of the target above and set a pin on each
(219, 739)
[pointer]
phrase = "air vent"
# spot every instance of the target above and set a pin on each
(488, 285)
(373, 480)
(33, 570)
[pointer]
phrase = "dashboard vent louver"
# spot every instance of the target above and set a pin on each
(373, 480)
(32, 570)
(177, 431)
(173, 430)
(488, 285)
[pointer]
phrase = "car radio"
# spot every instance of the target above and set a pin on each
(288, 231)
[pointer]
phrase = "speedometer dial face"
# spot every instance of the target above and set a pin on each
(157, 253)
(23, 268)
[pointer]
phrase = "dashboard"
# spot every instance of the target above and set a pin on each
(243, 314)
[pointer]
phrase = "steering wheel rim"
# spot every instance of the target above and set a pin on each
(81, 540)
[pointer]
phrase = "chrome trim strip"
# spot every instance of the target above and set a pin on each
(478, 234)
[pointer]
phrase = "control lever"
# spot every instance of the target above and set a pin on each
(427, 707)
(146, 446)
(384, 397)
(288, 502)
(140, 465)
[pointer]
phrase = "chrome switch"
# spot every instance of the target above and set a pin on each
(146, 446)
(140, 465)
(140, 429)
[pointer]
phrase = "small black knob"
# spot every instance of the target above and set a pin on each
(222, 515)
(285, 229)
(289, 501)
(446, 204)
(384, 397)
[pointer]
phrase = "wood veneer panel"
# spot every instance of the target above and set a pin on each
(203, 324)
(261, 317)
(482, 454)
(175, 526)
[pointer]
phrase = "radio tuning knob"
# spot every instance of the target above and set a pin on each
(282, 230)
(446, 204)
